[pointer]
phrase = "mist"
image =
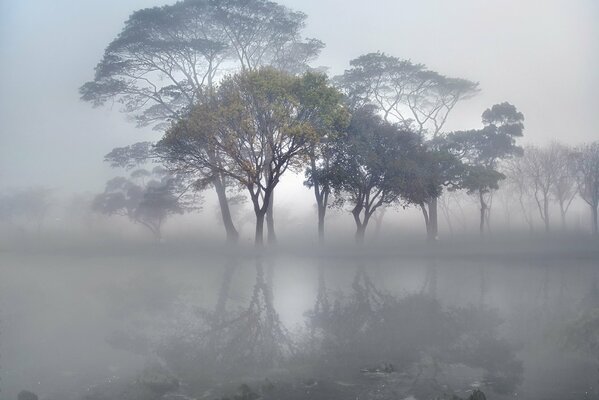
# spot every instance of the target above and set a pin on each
(298, 200)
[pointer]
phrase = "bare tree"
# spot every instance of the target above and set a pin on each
(564, 188)
(518, 182)
(541, 168)
(586, 167)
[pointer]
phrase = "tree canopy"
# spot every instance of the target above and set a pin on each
(257, 126)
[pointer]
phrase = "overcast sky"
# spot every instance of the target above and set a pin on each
(541, 55)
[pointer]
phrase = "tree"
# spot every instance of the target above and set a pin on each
(409, 94)
(28, 205)
(146, 203)
(320, 153)
(482, 149)
(586, 167)
(519, 182)
(168, 58)
(564, 188)
(373, 165)
(260, 123)
(546, 169)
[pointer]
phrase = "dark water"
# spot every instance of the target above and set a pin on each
(297, 326)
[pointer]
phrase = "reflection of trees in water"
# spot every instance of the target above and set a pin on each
(232, 342)
(256, 335)
(420, 338)
(378, 341)
(430, 285)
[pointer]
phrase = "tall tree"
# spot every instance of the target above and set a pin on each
(373, 165)
(168, 58)
(586, 166)
(482, 149)
(409, 94)
(261, 124)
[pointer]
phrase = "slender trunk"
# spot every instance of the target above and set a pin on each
(447, 215)
(483, 209)
(321, 194)
(322, 198)
(427, 223)
(232, 234)
(433, 219)
(563, 215)
(379, 221)
(270, 221)
(321, 213)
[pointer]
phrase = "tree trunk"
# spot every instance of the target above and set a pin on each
(259, 238)
(360, 234)
(379, 221)
(433, 219)
(270, 221)
(360, 226)
(321, 214)
(563, 215)
(427, 222)
(483, 209)
(232, 234)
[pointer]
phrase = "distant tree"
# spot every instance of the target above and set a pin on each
(518, 181)
(375, 164)
(564, 188)
(146, 203)
(168, 58)
(29, 206)
(261, 124)
(586, 167)
(546, 167)
(409, 94)
(482, 149)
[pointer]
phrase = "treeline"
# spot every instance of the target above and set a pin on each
(554, 174)
(230, 85)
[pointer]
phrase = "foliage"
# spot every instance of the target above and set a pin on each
(168, 58)
(258, 125)
(404, 92)
(375, 164)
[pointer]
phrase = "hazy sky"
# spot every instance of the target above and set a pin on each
(541, 55)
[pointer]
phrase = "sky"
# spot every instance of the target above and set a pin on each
(540, 55)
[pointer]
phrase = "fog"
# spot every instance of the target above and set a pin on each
(205, 203)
